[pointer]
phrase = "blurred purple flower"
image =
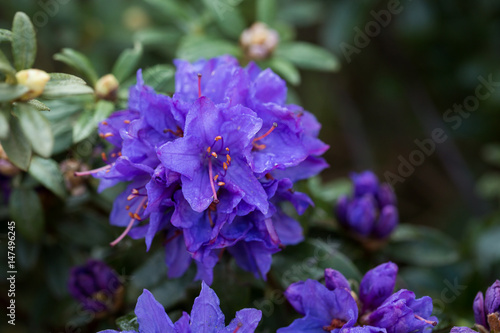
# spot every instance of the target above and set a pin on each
(206, 316)
(371, 212)
(484, 306)
(95, 286)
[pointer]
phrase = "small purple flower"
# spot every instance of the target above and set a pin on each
(96, 286)
(206, 316)
(371, 212)
(333, 308)
(461, 329)
(484, 306)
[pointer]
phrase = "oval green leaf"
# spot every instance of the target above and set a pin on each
(308, 56)
(36, 128)
(47, 172)
(16, 145)
(23, 41)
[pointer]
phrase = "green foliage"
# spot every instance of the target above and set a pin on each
(23, 41)
(36, 128)
(16, 145)
(26, 209)
(47, 172)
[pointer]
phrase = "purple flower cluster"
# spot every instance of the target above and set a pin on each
(211, 165)
(333, 307)
(371, 212)
(95, 286)
(206, 316)
(487, 308)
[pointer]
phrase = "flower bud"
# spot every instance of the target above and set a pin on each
(385, 195)
(377, 285)
(96, 286)
(35, 80)
(107, 87)
(387, 221)
(74, 184)
(334, 279)
(259, 41)
(364, 183)
(361, 214)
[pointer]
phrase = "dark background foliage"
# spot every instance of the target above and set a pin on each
(395, 90)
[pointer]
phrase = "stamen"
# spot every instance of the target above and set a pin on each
(228, 159)
(131, 223)
(214, 154)
(238, 327)
(132, 196)
(86, 173)
(227, 149)
(267, 133)
(119, 153)
(216, 177)
(259, 147)
(210, 219)
(199, 85)
(103, 156)
(224, 166)
(105, 123)
(221, 183)
(218, 137)
(126, 121)
(216, 200)
(127, 207)
(107, 135)
(272, 231)
(209, 150)
(113, 155)
(135, 191)
(433, 323)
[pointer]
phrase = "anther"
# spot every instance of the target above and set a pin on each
(209, 149)
(221, 183)
(107, 135)
(126, 121)
(133, 217)
(218, 137)
(119, 153)
(224, 166)
(135, 191)
(216, 177)
(103, 156)
(131, 214)
(227, 149)
(228, 159)
(105, 123)
(131, 196)
(127, 207)
(113, 155)
(137, 217)
(214, 154)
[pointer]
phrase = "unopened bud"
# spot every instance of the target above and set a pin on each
(259, 41)
(35, 80)
(107, 87)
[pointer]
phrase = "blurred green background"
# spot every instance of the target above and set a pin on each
(393, 90)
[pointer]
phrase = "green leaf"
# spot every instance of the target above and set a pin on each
(27, 253)
(285, 69)
(193, 48)
(491, 154)
(127, 62)
(79, 62)
(16, 146)
(38, 105)
(422, 246)
(158, 37)
(36, 128)
(4, 123)
(47, 172)
(227, 16)
(174, 10)
(5, 35)
(90, 118)
(23, 41)
(159, 77)
(266, 11)
(308, 56)
(6, 67)
(487, 247)
(62, 88)
(309, 259)
(11, 92)
(26, 209)
(63, 78)
(128, 322)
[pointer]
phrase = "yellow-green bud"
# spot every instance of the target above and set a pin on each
(259, 41)
(35, 80)
(107, 87)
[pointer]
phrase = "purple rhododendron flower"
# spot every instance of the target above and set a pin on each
(333, 308)
(461, 329)
(486, 305)
(95, 286)
(211, 166)
(371, 212)
(206, 316)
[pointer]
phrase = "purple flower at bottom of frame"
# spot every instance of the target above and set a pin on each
(462, 329)
(206, 316)
(483, 306)
(96, 286)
